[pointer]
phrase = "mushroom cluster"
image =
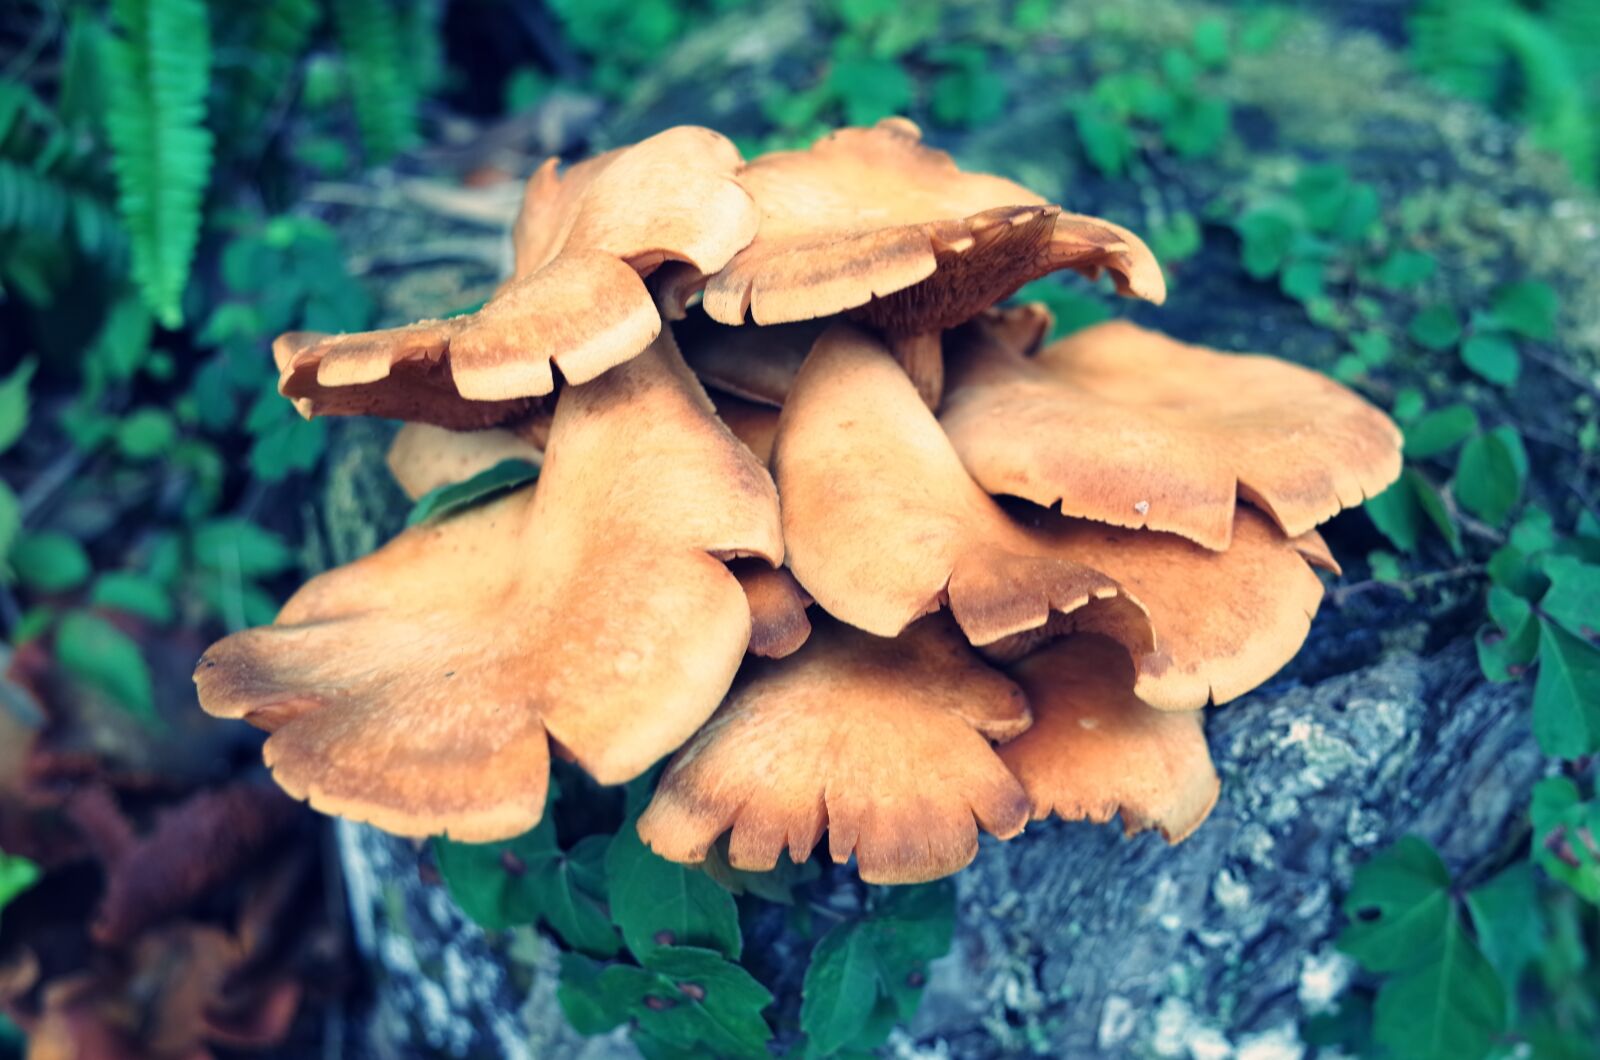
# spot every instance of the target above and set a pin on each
(813, 513)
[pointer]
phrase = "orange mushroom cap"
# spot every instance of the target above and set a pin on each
(1095, 749)
(1224, 621)
(778, 621)
(1129, 427)
(884, 743)
(585, 241)
(418, 688)
(869, 217)
(423, 457)
(884, 525)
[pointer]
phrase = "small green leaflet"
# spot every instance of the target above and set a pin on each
(1436, 328)
(239, 547)
(1503, 653)
(14, 403)
(1397, 905)
(1509, 921)
(841, 989)
(869, 88)
(145, 433)
(865, 968)
(1566, 696)
(104, 656)
(1440, 431)
(17, 874)
(10, 527)
(1573, 599)
(530, 879)
(1441, 999)
(1490, 475)
(1403, 510)
(50, 562)
(1528, 308)
(445, 501)
(684, 999)
(1406, 268)
(1493, 357)
(134, 594)
(1566, 831)
(658, 903)
(1449, 1008)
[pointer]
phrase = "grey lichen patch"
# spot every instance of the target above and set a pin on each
(1204, 946)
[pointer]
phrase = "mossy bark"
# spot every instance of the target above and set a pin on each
(1074, 941)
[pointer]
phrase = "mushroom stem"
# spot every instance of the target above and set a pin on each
(922, 356)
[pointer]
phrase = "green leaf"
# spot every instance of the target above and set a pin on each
(1072, 307)
(376, 64)
(1434, 507)
(1360, 214)
(123, 344)
(158, 74)
(529, 880)
(1449, 1008)
(1321, 190)
(869, 88)
(1436, 328)
(444, 501)
(135, 594)
(1493, 357)
(290, 444)
(658, 903)
(588, 1006)
(10, 527)
(1566, 696)
(14, 403)
(841, 987)
(1398, 905)
(1504, 654)
(17, 874)
(1211, 43)
(1509, 922)
(1490, 474)
(1105, 138)
(1197, 126)
(1268, 231)
(693, 1000)
(1440, 431)
(1397, 514)
(145, 433)
(236, 546)
(1406, 268)
(1574, 595)
(50, 562)
(105, 657)
(1527, 307)
(1565, 833)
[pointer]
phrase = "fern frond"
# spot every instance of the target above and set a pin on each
(1528, 65)
(1577, 22)
(1456, 43)
(158, 73)
(383, 95)
(258, 47)
(51, 186)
